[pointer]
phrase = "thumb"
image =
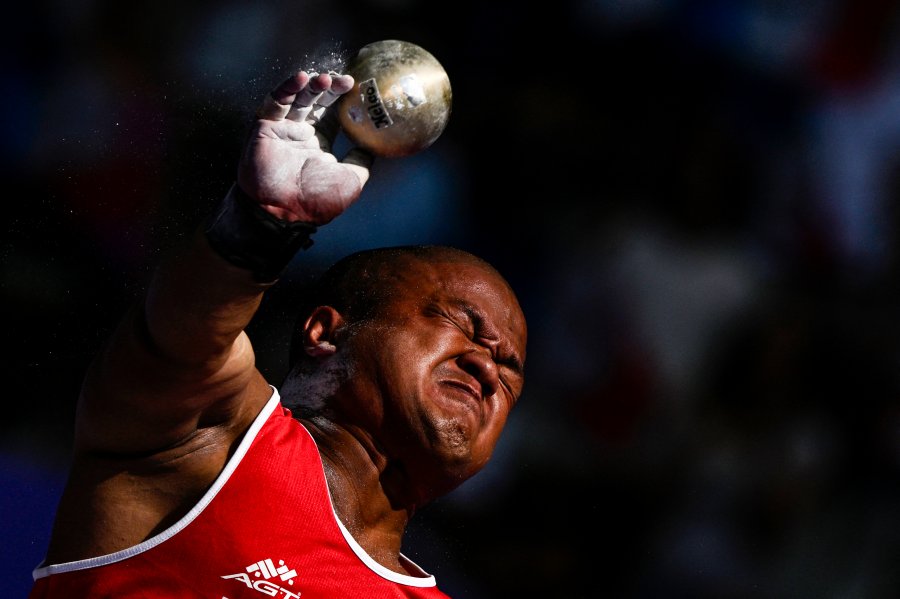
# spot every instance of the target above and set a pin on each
(360, 162)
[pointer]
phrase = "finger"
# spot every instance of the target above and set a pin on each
(317, 110)
(277, 104)
(327, 129)
(340, 85)
(307, 97)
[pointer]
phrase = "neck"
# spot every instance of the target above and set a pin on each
(365, 489)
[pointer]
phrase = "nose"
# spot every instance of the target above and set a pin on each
(480, 364)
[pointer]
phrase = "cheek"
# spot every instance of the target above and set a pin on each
(391, 356)
(490, 434)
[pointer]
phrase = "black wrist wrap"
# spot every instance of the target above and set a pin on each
(249, 237)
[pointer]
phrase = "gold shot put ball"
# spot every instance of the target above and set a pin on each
(400, 102)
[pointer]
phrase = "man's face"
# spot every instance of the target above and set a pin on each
(445, 358)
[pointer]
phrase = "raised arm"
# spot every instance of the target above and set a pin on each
(179, 363)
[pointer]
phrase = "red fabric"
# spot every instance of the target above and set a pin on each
(269, 531)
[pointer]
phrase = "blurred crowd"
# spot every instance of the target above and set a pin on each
(696, 199)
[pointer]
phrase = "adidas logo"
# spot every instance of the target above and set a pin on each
(259, 577)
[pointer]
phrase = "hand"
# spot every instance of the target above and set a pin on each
(288, 166)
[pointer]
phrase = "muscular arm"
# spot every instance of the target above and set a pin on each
(161, 406)
(179, 361)
(175, 387)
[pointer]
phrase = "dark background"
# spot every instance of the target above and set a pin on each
(696, 200)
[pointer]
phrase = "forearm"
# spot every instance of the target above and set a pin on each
(201, 300)
(198, 303)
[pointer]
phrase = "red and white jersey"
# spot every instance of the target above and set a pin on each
(266, 528)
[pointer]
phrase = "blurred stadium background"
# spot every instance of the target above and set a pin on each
(696, 199)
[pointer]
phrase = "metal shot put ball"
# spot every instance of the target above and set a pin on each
(401, 101)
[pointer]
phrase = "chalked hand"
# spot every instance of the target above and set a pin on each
(287, 165)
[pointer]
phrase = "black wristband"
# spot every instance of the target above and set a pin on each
(249, 237)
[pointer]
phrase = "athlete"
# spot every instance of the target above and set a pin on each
(193, 476)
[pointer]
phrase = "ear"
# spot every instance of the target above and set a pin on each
(319, 331)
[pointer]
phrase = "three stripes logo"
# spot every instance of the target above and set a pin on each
(264, 576)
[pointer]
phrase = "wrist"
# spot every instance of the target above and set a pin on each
(246, 235)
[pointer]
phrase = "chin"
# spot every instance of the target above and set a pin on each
(453, 457)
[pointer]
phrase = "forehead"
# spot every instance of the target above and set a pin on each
(463, 283)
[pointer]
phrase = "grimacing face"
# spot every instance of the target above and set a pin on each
(448, 358)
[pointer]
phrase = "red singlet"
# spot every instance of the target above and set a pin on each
(266, 528)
